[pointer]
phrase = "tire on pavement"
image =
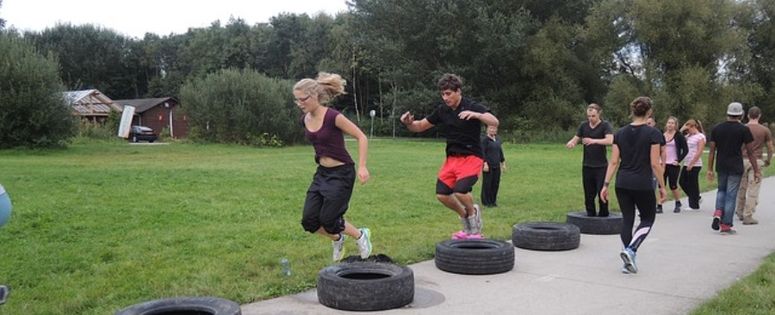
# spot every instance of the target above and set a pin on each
(611, 224)
(365, 286)
(546, 236)
(184, 305)
(474, 257)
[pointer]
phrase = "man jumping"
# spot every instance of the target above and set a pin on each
(463, 119)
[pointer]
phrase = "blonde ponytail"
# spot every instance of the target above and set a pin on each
(326, 86)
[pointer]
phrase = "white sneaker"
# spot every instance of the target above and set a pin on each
(339, 247)
(364, 243)
(476, 221)
(466, 225)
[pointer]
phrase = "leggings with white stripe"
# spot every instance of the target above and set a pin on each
(646, 203)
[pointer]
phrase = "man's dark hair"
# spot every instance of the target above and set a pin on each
(754, 112)
(450, 81)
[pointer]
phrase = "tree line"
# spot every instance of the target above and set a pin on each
(535, 63)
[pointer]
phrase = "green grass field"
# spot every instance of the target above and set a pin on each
(101, 226)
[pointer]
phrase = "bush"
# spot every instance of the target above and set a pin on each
(244, 107)
(33, 112)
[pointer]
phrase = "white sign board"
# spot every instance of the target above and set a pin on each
(126, 121)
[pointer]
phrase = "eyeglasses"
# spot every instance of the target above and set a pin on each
(302, 100)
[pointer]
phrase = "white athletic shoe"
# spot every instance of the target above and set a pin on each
(339, 247)
(364, 243)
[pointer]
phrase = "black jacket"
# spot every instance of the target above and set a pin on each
(682, 149)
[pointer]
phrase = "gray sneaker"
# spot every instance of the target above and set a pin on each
(628, 257)
(4, 290)
(339, 247)
(364, 243)
(466, 225)
(476, 225)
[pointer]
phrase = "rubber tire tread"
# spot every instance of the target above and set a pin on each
(609, 225)
(488, 257)
(547, 236)
(206, 305)
(338, 292)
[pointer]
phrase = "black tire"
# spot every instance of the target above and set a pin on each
(184, 305)
(611, 224)
(546, 236)
(365, 286)
(474, 257)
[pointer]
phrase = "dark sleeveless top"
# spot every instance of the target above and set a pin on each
(328, 140)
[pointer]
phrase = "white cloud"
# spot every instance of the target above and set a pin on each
(136, 17)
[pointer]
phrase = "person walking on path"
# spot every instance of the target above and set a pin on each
(748, 194)
(463, 118)
(494, 164)
(636, 147)
(329, 193)
(675, 151)
(690, 172)
(5, 214)
(595, 134)
(726, 139)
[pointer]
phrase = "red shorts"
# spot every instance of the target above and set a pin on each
(459, 174)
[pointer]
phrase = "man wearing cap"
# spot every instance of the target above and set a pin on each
(725, 141)
(748, 195)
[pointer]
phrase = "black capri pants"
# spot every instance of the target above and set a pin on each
(671, 175)
(327, 198)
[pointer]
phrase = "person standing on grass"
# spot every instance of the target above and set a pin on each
(5, 214)
(463, 120)
(690, 172)
(748, 195)
(726, 139)
(595, 134)
(332, 185)
(675, 151)
(636, 148)
(494, 163)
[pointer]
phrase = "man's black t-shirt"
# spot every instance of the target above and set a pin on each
(729, 137)
(493, 151)
(634, 144)
(594, 154)
(462, 135)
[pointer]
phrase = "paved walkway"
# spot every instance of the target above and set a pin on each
(682, 263)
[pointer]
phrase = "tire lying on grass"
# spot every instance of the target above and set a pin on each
(474, 257)
(365, 286)
(184, 306)
(611, 224)
(546, 236)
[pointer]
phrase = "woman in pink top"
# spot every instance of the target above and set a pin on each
(689, 181)
(329, 193)
(675, 151)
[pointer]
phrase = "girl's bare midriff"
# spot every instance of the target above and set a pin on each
(329, 162)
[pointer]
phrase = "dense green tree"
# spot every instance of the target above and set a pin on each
(33, 112)
(94, 57)
(241, 106)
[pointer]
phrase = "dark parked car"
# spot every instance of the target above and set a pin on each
(142, 133)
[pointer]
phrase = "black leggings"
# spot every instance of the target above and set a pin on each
(671, 175)
(691, 186)
(646, 202)
(593, 178)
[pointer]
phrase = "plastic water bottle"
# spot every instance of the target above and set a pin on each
(286, 266)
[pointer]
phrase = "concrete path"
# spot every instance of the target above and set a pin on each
(682, 263)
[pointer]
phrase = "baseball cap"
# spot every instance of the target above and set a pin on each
(735, 109)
